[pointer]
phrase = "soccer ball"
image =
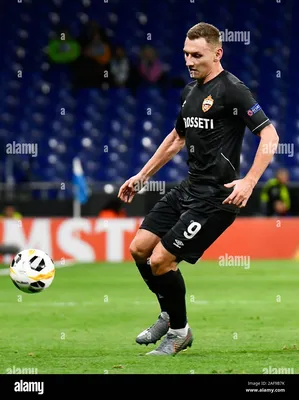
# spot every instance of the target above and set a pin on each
(32, 271)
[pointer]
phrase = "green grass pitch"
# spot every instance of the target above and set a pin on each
(243, 320)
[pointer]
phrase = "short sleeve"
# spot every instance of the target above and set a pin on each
(247, 108)
(180, 125)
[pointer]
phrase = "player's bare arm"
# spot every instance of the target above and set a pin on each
(170, 146)
(243, 187)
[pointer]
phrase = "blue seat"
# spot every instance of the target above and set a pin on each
(109, 129)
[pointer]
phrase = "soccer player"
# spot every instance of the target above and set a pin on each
(216, 107)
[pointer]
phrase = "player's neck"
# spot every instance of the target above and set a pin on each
(211, 75)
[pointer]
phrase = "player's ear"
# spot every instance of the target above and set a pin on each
(218, 54)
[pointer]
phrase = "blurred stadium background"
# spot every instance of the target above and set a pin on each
(31, 100)
(114, 131)
(70, 107)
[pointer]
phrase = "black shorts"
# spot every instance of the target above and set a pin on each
(186, 225)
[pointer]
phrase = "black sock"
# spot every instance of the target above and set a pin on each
(146, 273)
(172, 286)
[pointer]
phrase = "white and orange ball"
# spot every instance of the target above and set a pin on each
(32, 271)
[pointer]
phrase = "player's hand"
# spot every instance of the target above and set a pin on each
(241, 193)
(132, 186)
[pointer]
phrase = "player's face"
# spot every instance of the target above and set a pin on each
(200, 57)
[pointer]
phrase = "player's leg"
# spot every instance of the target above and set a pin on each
(171, 285)
(187, 240)
(158, 221)
(154, 226)
(141, 249)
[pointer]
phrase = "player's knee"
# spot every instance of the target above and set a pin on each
(139, 251)
(160, 265)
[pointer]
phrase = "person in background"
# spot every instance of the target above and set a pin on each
(150, 67)
(91, 68)
(99, 50)
(113, 209)
(120, 67)
(63, 48)
(275, 197)
(10, 211)
(88, 33)
(9, 250)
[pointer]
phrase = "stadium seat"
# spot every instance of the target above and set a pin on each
(41, 107)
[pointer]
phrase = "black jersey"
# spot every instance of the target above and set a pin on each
(213, 118)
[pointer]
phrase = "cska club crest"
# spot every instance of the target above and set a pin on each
(207, 103)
